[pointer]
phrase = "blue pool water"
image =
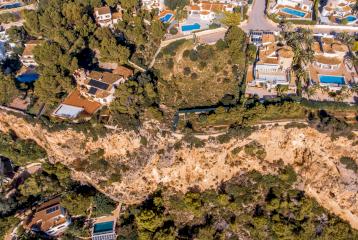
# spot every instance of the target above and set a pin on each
(9, 6)
(192, 27)
(349, 19)
(293, 12)
(103, 227)
(166, 18)
(332, 79)
(28, 77)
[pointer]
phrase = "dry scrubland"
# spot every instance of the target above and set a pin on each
(194, 75)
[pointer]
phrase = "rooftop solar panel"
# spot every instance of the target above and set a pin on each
(98, 84)
(51, 210)
(92, 90)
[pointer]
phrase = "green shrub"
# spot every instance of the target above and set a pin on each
(173, 47)
(173, 31)
(186, 71)
(6, 224)
(194, 76)
(103, 205)
(170, 63)
(186, 53)
(193, 141)
(349, 163)
(21, 152)
(8, 17)
(295, 125)
(255, 149)
(193, 55)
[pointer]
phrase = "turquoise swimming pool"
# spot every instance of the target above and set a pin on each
(103, 227)
(191, 27)
(331, 79)
(293, 12)
(349, 19)
(166, 18)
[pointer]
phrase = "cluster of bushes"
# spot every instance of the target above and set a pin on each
(249, 114)
(254, 149)
(251, 206)
(53, 180)
(237, 132)
(8, 17)
(173, 47)
(349, 163)
(330, 106)
(20, 151)
(327, 123)
(6, 225)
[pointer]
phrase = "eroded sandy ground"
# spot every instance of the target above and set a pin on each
(313, 155)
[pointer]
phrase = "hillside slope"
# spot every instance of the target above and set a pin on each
(160, 160)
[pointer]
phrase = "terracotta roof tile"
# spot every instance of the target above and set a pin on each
(103, 10)
(44, 220)
(106, 77)
(75, 99)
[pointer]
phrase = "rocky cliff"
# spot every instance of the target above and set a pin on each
(152, 157)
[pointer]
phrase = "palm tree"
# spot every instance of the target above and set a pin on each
(281, 89)
(311, 91)
(347, 39)
(355, 8)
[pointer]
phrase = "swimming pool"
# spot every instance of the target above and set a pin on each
(191, 27)
(293, 12)
(166, 18)
(327, 79)
(349, 19)
(103, 227)
(28, 77)
(12, 5)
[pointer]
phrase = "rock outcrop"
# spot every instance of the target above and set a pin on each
(159, 160)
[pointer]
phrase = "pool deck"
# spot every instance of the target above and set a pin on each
(341, 71)
(278, 10)
(192, 20)
(104, 219)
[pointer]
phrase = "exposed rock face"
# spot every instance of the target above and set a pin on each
(313, 155)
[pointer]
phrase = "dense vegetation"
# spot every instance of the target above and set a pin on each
(192, 75)
(50, 181)
(18, 150)
(72, 39)
(252, 206)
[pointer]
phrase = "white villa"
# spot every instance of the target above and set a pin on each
(273, 67)
(330, 67)
(208, 11)
(98, 86)
(105, 17)
(50, 218)
(153, 4)
(305, 5)
(27, 58)
(339, 11)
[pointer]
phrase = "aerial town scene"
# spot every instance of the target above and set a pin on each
(179, 119)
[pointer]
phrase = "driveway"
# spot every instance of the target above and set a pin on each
(257, 19)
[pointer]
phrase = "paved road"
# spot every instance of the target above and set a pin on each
(212, 38)
(257, 19)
